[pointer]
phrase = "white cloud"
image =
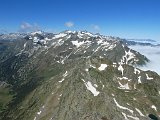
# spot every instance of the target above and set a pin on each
(69, 24)
(27, 27)
(153, 54)
(95, 27)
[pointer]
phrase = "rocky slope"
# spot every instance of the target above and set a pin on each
(75, 76)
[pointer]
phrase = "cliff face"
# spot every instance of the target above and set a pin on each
(75, 76)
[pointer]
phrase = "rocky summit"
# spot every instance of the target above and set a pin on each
(74, 75)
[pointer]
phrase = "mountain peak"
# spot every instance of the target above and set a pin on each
(37, 32)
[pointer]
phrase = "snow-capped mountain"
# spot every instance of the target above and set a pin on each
(75, 75)
(84, 43)
(12, 36)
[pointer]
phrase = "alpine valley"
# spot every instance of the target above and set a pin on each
(75, 75)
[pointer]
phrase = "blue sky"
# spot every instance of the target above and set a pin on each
(122, 18)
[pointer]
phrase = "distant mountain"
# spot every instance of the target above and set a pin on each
(143, 42)
(75, 75)
(12, 36)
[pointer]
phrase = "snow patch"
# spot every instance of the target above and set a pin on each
(35, 39)
(58, 61)
(92, 66)
(102, 67)
(135, 86)
(100, 41)
(84, 34)
(111, 47)
(25, 45)
(121, 107)
(134, 99)
(37, 32)
(140, 113)
(139, 80)
(136, 71)
(90, 34)
(91, 88)
(112, 94)
(95, 85)
(114, 65)
(125, 116)
(120, 68)
(128, 56)
(77, 44)
(148, 78)
(47, 39)
(39, 112)
(154, 107)
(59, 36)
(64, 75)
(61, 80)
(86, 70)
(30, 38)
(125, 86)
(124, 78)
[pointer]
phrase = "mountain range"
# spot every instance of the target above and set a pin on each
(75, 75)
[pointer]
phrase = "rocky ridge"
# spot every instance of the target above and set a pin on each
(75, 75)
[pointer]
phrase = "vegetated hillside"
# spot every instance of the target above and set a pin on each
(74, 76)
